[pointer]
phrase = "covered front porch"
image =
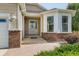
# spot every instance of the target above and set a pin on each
(31, 26)
(32, 30)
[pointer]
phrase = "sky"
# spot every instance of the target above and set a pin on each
(55, 5)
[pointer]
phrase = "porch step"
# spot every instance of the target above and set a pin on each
(33, 41)
(32, 36)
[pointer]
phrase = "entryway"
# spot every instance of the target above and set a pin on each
(3, 33)
(32, 31)
(31, 26)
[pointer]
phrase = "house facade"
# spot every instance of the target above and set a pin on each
(9, 29)
(19, 21)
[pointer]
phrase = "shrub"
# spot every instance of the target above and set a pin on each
(71, 39)
(63, 50)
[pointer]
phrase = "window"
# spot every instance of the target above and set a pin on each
(64, 23)
(50, 24)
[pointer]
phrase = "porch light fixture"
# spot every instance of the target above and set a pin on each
(11, 18)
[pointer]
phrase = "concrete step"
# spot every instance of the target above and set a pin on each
(32, 36)
(33, 40)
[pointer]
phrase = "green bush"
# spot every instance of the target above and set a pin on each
(63, 50)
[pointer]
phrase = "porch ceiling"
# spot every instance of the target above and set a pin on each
(31, 17)
(33, 14)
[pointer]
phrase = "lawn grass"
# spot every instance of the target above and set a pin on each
(63, 50)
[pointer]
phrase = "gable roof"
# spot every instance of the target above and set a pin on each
(34, 8)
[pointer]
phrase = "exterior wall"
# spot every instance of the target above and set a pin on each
(14, 39)
(20, 19)
(20, 23)
(55, 36)
(33, 8)
(10, 8)
(6, 12)
(14, 35)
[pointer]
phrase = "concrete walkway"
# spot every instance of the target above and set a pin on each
(3, 51)
(31, 49)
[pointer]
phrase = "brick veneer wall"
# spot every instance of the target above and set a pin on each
(55, 36)
(14, 39)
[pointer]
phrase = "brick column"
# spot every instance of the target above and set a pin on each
(14, 39)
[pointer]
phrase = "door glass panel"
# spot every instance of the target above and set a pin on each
(32, 24)
(33, 27)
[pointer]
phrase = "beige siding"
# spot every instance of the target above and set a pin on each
(34, 8)
(9, 8)
(12, 10)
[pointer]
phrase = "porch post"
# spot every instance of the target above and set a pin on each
(41, 25)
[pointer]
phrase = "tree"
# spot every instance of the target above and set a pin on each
(75, 19)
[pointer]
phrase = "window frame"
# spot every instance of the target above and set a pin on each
(50, 24)
(65, 24)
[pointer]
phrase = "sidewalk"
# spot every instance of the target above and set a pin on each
(3, 51)
(31, 49)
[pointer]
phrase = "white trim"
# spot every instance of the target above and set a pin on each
(55, 15)
(69, 21)
(41, 25)
(49, 32)
(57, 32)
(65, 32)
(72, 12)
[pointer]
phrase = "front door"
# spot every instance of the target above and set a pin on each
(33, 27)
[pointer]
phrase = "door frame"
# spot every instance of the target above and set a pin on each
(29, 24)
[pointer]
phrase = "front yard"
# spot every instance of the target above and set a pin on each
(63, 50)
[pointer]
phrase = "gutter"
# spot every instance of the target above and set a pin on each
(59, 10)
